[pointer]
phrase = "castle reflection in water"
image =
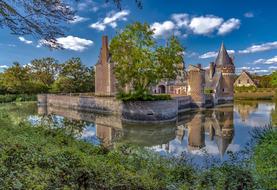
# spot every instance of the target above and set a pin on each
(211, 130)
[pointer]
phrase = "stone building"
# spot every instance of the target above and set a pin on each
(104, 76)
(245, 79)
(218, 79)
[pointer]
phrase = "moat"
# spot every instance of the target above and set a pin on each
(212, 131)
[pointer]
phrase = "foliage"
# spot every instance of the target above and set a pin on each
(17, 97)
(274, 79)
(140, 62)
(46, 74)
(265, 159)
(263, 81)
(208, 91)
(74, 77)
(142, 97)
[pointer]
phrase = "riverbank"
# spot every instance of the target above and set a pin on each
(43, 157)
(6, 98)
(255, 95)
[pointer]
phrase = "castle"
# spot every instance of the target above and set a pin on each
(205, 86)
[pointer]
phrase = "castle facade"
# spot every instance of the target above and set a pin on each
(205, 86)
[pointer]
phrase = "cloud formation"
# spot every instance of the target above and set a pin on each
(184, 24)
(269, 61)
(22, 39)
(78, 19)
(205, 24)
(164, 29)
(229, 26)
(212, 54)
(110, 20)
(259, 48)
(70, 43)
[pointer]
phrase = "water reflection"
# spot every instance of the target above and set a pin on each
(212, 131)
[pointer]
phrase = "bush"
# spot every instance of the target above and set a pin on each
(142, 97)
(265, 159)
(17, 97)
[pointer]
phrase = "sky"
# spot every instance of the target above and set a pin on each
(247, 28)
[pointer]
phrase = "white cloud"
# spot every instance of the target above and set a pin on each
(4, 66)
(259, 48)
(205, 25)
(273, 67)
(249, 15)
(69, 42)
(22, 39)
(181, 20)
(269, 61)
(78, 19)
(212, 54)
(229, 26)
(163, 29)
(110, 20)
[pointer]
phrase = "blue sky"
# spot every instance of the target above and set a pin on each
(247, 28)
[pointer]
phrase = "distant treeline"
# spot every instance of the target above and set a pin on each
(47, 75)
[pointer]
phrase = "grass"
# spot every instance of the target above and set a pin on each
(254, 95)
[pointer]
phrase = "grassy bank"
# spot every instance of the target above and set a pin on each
(44, 158)
(17, 98)
(255, 95)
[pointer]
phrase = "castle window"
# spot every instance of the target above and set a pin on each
(239, 81)
(247, 81)
(223, 90)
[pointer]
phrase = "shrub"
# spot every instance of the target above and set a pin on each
(142, 97)
(265, 159)
(17, 97)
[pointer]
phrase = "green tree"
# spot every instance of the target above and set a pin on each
(17, 80)
(44, 70)
(274, 79)
(74, 77)
(140, 62)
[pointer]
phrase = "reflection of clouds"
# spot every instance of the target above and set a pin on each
(89, 134)
(259, 117)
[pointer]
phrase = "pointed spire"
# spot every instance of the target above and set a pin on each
(223, 57)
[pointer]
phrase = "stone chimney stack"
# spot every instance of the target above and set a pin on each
(212, 69)
(199, 65)
(105, 49)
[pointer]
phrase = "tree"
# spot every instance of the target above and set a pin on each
(140, 62)
(17, 80)
(44, 70)
(44, 19)
(74, 77)
(274, 79)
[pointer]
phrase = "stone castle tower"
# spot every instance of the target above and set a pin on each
(104, 76)
(225, 64)
(196, 84)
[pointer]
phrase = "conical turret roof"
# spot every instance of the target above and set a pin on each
(223, 57)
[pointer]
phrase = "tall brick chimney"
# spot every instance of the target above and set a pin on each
(104, 50)
(212, 67)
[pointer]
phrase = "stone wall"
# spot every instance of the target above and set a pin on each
(84, 103)
(150, 110)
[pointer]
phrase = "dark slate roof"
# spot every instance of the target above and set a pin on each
(223, 57)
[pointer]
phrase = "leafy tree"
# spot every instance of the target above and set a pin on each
(44, 70)
(140, 62)
(74, 77)
(17, 80)
(274, 79)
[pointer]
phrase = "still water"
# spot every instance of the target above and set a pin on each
(211, 132)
